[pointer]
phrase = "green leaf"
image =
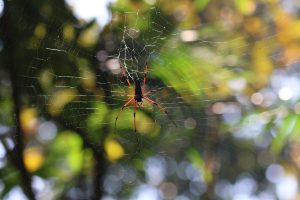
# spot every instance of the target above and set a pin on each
(296, 130)
(96, 119)
(199, 163)
(246, 7)
(65, 156)
(201, 4)
(287, 127)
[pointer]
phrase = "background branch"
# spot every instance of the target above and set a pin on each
(10, 65)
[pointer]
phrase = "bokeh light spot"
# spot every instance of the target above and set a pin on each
(47, 131)
(150, 2)
(287, 187)
(60, 99)
(246, 7)
(15, 193)
(113, 65)
(88, 37)
(223, 189)
(113, 149)
(33, 158)
(1, 7)
(91, 9)
(189, 35)
(155, 168)
(237, 84)
(297, 108)
(112, 184)
(2, 151)
(40, 31)
(190, 123)
(285, 93)
(274, 173)
(29, 122)
(169, 190)
(68, 32)
(218, 108)
(257, 98)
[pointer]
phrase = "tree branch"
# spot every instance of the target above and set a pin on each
(11, 66)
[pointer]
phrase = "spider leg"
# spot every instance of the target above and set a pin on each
(149, 92)
(140, 105)
(124, 106)
(134, 116)
(136, 135)
(145, 77)
(160, 108)
(124, 74)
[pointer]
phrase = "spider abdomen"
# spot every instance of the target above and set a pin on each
(138, 96)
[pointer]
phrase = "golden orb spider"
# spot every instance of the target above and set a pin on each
(138, 97)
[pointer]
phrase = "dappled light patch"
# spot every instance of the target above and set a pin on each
(29, 120)
(65, 156)
(113, 149)
(60, 99)
(33, 158)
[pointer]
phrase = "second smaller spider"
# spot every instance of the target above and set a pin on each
(139, 96)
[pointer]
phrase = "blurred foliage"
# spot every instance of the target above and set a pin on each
(227, 72)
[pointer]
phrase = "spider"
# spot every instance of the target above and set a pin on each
(139, 96)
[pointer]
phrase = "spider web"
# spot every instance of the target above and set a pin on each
(133, 52)
(96, 90)
(136, 50)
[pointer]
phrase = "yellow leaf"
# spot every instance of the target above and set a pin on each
(289, 32)
(88, 76)
(144, 124)
(88, 38)
(246, 7)
(28, 119)
(68, 32)
(60, 99)
(262, 63)
(113, 149)
(291, 53)
(33, 158)
(253, 25)
(40, 31)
